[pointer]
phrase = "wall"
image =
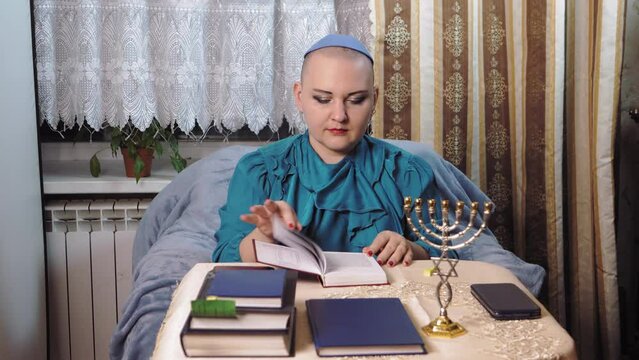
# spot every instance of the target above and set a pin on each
(22, 279)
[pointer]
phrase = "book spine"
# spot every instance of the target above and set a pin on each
(314, 331)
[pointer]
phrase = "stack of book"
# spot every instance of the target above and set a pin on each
(242, 312)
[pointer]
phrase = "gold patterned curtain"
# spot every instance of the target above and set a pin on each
(484, 83)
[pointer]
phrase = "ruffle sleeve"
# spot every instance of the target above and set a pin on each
(414, 178)
(249, 185)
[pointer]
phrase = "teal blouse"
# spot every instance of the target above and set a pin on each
(341, 206)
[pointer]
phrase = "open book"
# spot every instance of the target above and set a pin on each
(303, 254)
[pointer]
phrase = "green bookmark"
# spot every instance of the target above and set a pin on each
(213, 308)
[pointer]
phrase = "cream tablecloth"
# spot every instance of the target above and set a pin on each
(542, 338)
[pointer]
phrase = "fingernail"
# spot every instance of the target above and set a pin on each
(391, 263)
(370, 253)
(380, 262)
(290, 225)
(406, 263)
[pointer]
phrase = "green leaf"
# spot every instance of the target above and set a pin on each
(159, 149)
(116, 141)
(138, 167)
(173, 143)
(133, 152)
(114, 150)
(178, 162)
(94, 166)
(148, 138)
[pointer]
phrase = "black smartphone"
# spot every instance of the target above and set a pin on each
(505, 301)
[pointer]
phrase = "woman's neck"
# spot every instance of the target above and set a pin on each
(326, 155)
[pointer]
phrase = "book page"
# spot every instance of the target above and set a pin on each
(352, 268)
(295, 239)
(286, 257)
(267, 320)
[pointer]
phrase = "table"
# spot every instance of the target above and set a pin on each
(487, 338)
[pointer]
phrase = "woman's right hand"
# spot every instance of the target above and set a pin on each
(261, 216)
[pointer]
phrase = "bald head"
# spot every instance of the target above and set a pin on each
(337, 97)
(323, 56)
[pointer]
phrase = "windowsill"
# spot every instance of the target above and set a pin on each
(65, 168)
(73, 177)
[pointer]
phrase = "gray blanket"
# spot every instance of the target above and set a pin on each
(178, 227)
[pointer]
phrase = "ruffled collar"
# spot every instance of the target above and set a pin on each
(346, 185)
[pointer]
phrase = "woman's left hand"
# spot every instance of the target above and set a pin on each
(392, 248)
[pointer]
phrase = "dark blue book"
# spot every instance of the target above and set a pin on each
(259, 288)
(371, 326)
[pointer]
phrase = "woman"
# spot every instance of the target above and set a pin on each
(334, 183)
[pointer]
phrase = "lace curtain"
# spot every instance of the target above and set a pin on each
(221, 63)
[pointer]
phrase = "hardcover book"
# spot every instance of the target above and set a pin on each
(368, 326)
(249, 318)
(333, 268)
(253, 343)
(245, 320)
(249, 287)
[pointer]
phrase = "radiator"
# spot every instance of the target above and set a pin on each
(89, 249)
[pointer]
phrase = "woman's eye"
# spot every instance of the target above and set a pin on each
(357, 100)
(322, 100)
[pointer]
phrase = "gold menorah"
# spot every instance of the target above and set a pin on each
(443, 326)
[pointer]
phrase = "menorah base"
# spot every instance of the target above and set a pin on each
(443, 327)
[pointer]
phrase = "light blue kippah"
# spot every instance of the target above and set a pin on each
(339, 40)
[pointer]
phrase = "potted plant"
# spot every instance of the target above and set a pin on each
(138, 147)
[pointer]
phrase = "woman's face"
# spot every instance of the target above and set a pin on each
(337, 97)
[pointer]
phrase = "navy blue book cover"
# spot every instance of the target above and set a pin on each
(248, 283)
(368, 322)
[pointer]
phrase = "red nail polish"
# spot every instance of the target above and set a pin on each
(380, 262)
(290, 225)
(391, 263)
(370, 253)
